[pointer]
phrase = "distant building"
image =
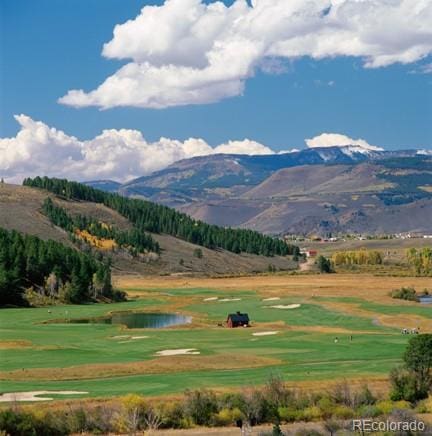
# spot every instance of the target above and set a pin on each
(311, 253)
(238, 320)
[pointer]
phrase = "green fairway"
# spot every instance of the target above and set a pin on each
(363, 348)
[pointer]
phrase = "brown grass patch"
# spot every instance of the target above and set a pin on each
(161, 365)
(397, 321)
(366, 286)
(11, 345)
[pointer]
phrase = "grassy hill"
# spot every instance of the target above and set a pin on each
(21, 210)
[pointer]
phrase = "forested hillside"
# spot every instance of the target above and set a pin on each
(51, 270)
(151, 217)
(133, 240)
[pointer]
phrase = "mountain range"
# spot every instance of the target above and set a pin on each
(320, 190)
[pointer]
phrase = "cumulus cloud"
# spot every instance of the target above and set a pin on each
(338, 140)
(123, 154)
(188, 52)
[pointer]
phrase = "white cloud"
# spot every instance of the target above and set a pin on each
(338, 140)
(121, 154)
(426, 69)
(187, 52)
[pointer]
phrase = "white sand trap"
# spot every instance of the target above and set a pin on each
(120, 337)
(265, 333)
(271, 299)
(287, 306)
(210, 299)
(34, 395)
(140, 337)
(178, 352)
(230, 299)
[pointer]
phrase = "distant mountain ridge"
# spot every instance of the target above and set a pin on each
(261, 191)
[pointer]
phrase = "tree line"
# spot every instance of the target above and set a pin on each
(151, 217)
(133, 240)
(357, 257)
(50, 269)
(421, 260)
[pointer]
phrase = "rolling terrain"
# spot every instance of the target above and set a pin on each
(21, 210)
(294, 323)
(331, 190)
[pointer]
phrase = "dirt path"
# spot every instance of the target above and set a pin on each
(308, 265)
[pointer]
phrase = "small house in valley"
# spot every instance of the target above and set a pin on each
(238, 320)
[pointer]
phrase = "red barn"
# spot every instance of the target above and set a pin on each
(238, 320)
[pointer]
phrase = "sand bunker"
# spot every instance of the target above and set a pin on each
(271, 299)
(178, 352)
(230, 299)
(128, 338)
(287, 306)
(265, 333)
(34, 395)
(210, 299)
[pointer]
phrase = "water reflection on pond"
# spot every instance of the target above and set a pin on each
(136, 320)
(427, 299)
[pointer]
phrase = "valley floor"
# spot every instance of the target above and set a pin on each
(311, 329)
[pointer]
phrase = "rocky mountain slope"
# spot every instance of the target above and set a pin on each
(319, 190)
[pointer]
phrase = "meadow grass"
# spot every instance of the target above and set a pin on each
(364, 349)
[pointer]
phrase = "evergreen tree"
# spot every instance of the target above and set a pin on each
(150, 217)
(27, 261)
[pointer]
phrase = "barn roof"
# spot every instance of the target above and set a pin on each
(239, 317)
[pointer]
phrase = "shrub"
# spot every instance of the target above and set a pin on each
(231, 401)
(173, 416)
(255, 407)
(408, 294)
(276, 392)
(130, 418)
(403, 384)
(368, 411)
(324, 265)
(200, 405)
(327, 406)
(343, 412)
(386, 407)
(312, 413)
(18, 423)
(425, 406)
(227, 416)
(100, 418)
(287, 414)
(365, 397)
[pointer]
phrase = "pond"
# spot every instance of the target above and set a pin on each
(137, 320)
(426, 299)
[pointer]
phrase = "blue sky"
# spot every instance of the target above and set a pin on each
(50, 46)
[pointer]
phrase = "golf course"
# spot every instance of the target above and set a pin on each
(309, 329)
